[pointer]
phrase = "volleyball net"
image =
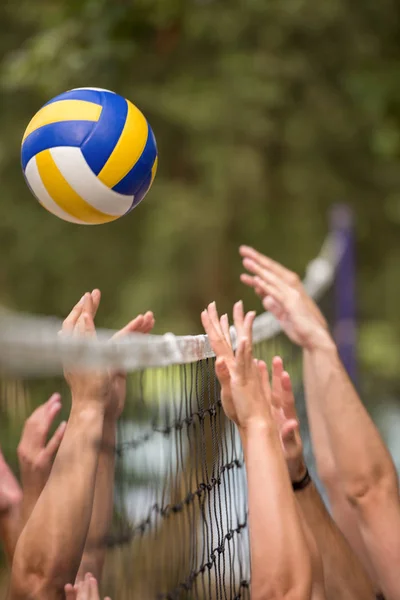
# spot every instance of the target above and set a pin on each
(180, 528)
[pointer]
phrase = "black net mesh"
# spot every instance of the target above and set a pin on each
(181, 530)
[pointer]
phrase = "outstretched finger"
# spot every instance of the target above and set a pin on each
(288, 400)
(148, 322)
(222, 372)
(277, 292)
(240, 362)
(133, 326)
(94, 589)
(248, 327)
(71, 320)
(224, 322)
(238, 319)
(209, 328)
(268, 263)
(96, 297)
(85, 325)
(264, 377)
(250, 281)
(38, 425)
(54, 442)
(290, 431)
(70, 592)
(266, 275)
(277, 370)
(84, 588)
(216, 337)
(214, 319)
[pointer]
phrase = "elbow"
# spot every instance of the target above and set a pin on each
(298, 588)
(298, 592)
(27, 585)
(35, 580)
(372, 486)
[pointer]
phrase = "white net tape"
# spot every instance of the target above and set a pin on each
(30, 345)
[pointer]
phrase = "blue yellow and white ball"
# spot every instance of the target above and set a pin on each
(89, 156)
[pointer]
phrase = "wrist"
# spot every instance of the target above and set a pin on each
(302, 483)
(87, 411)
(89, 403)
(256, 426)
(321, 341)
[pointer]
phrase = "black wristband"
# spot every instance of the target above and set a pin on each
(303, 483)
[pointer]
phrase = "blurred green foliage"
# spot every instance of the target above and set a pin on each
(266, 113)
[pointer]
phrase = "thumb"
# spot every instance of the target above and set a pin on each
(70, 592)
(222, 371)
(289, 430)
(85, 325)
(54, 443)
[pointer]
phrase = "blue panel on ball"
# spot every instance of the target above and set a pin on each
(86, 95)
(67, 133)
(141, 192)
(133, 180)
(106, 133)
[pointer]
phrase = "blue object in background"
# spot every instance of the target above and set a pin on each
(342, 225)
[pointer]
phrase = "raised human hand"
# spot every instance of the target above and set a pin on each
(283, 294)
(36, 453)
(249, 399)
(286, 419)
(86, 384)
(140, 324)
(217, 330)
(85, 590)
(10, 490)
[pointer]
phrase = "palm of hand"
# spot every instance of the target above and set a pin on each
(249, 396)
(297, 320)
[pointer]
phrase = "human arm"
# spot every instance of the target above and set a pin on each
(49, 550)
(10, 508)
(94, 552)
(353, 457)
(364, 467)
(35, 460)
(36, 454)
(281, 563)
(343, 573)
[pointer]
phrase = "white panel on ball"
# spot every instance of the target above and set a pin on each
(79, 175)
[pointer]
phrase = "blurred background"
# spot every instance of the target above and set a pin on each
(265, 114)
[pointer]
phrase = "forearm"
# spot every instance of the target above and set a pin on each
(94, 552)
(279, 553)
(343, 512)
(51, 544)
(10, 529)
(343, 573)
(324, 457)
(361, 457)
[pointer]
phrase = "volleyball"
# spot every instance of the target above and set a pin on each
(89, 156)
